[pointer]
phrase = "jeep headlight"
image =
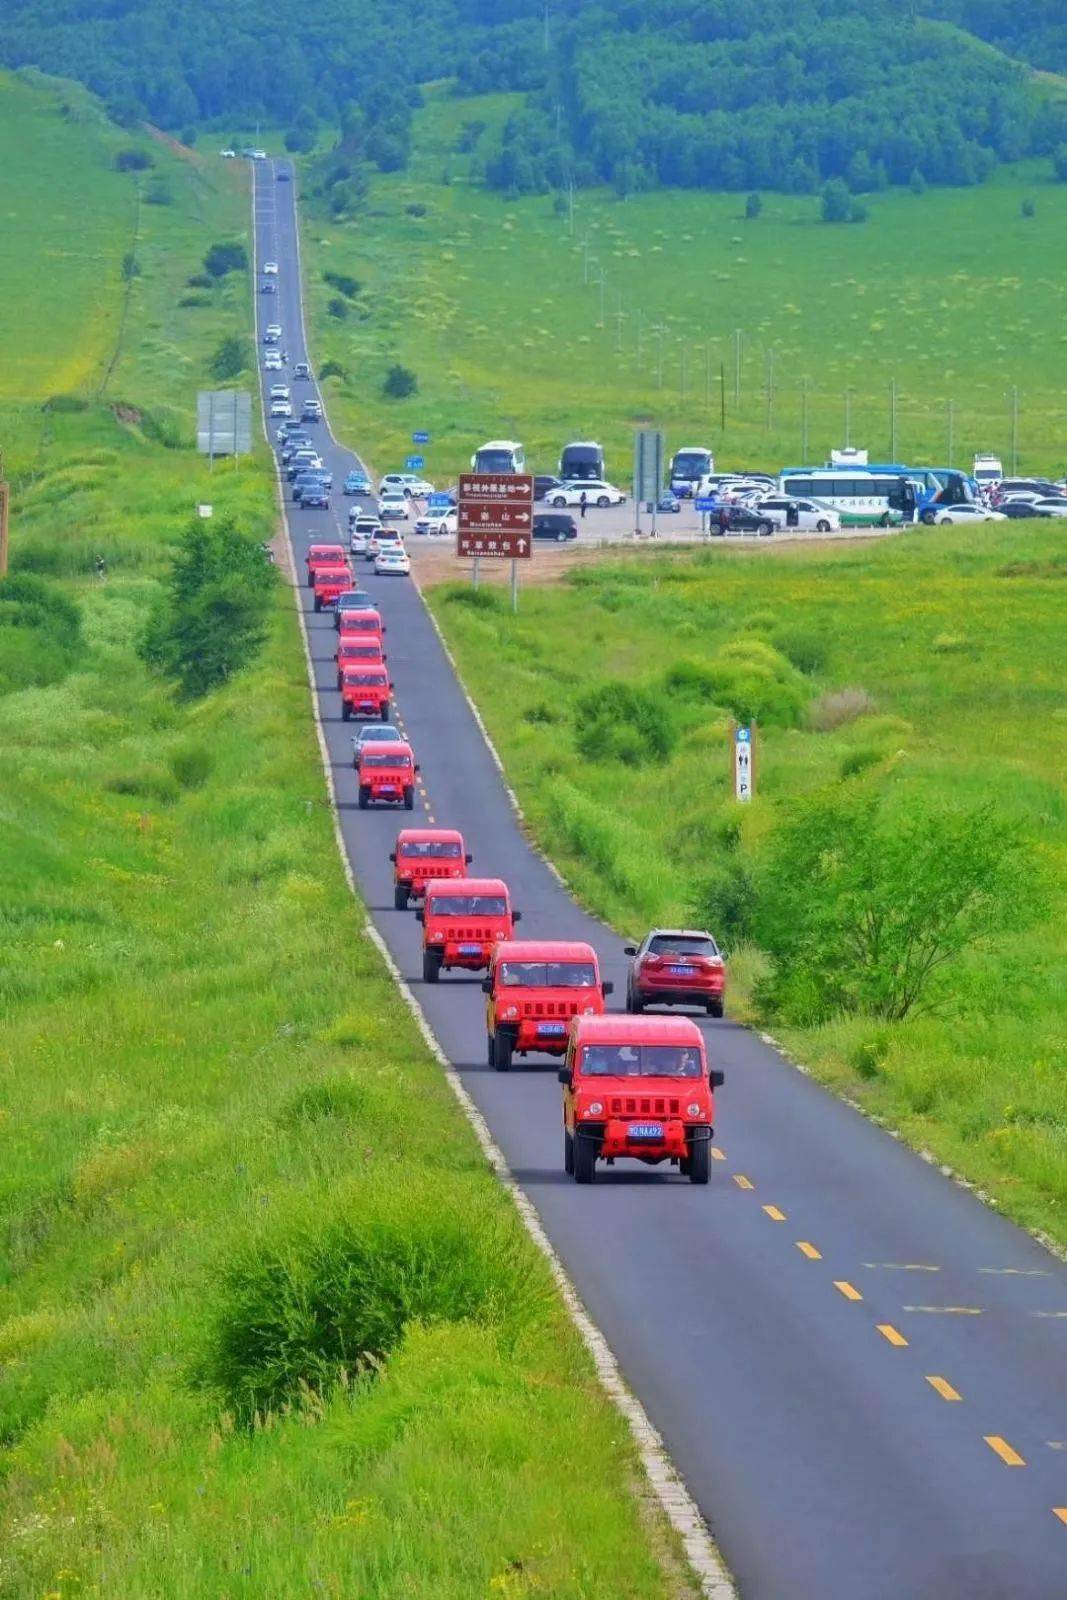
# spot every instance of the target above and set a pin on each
(694, 1110)
(512, 1011)
(595, 1108)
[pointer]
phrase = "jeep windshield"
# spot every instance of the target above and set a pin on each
(682, 945)
(641, 1061)
(469, 905)
(366, 680)
(386, 758)
(439, 849)
(547, 974)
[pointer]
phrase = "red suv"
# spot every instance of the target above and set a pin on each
(678, 967)
(535, 987)
(423, 854)
(462, 922)
(637, 1087)
(325, 555)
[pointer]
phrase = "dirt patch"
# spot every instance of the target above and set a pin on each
(175, 146)
(128, 414)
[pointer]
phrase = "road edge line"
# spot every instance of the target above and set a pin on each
(664, 1479)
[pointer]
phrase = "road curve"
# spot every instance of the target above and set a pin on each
(858, 1368)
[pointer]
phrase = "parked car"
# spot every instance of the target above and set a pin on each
(557, 525)
(436, 523)
(1051, 505)
(676, 966)
(392, 563)
(597, 493)
(740, 519)
(1018, 510)
(544, 483)
(968, 512)
(785, 512)
(668, 502)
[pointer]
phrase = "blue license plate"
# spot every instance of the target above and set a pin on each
(552, 1027)
(682, 972)
(646, 1130)
(470, 949)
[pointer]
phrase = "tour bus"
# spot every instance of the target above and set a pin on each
(688, 467)
(499, 455)
(583, 458)
(881, 494)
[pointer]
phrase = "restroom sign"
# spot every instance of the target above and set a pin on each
(744, 762)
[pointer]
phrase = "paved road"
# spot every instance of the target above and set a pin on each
(858, 1368)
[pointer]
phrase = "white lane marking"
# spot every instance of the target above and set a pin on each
(678, 1505)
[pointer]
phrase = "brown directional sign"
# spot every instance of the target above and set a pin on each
(495, 515)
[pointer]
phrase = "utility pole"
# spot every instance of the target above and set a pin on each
(951, 430)
(5, 504)
(738, 350)
(892, 419)
(770, 390)
(803, 421)
(600, 324)
(620, 317)
(570, 207)
(681, 373)
(585, 260)
(1014, 431)
(722, 395)
(848, 418)
(658, 330)
(707, 375)
(640, 331)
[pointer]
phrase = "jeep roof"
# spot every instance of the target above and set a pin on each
(618, 1028)
(427, 836)
(462, 886)
(545, 950)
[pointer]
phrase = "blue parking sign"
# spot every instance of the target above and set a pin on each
(420, 438)
(439, 501)
(706, 505)
(413, 463)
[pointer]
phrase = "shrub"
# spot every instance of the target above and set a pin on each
(400, 382)
(224, 258)
(200, 280)
(1027, 208)
(747, 677)
(836, 202)
(343, 283)
(483, 599)
(330, 1297)
(417, 208)
(131, 160)
(192, 765)
(805, 647)
(338, 1099)
(837, 708)
(861, 760)
(753, 206)
(40, 633)
(725, 900)
(65, 402)
(231, 357)
(336, 307)
(332, 369)
(619, 722)
(158, 193)
(1059, 162)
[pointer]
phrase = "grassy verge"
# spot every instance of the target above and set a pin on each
(929, 665)
(268, 1325)
(495, 304)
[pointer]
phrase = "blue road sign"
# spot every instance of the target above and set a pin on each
(440, 502)
(743, 735)
(707, 505)
(420, 438)
(413, 463)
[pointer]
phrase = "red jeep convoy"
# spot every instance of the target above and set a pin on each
(634, 1086)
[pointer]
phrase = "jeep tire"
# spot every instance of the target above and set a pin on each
(385, 712)
(584, 1160)
(503, 1046)
(409, 798)
(568, 1153)
(401, 896)
(633, 1003)
(700, 1161)
(346, 711)
(431, 966)
(715, 1008)
(364, 796)
(318, 602)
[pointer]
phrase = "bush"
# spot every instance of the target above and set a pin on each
(336, 307)
(224, 258)
(417, 208)
(40, 633)
(753, 206)
(158, 193)
(837, 708)
(618, 722)
(805, 647)
(65, 402)
(747, 677)
(400, 382)
(1059, 163)
(131, 160)
(200, 280)
(210, 621)
(231, 358)
(330, 1297)
(724, 902)
(131, 267)
(331, 369)
(192, 765)
(343, 283)
(1027, 208)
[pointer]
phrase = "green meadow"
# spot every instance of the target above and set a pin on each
(268, 1323)
(930, 666)
(953, 296)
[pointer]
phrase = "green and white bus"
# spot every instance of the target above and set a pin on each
(881, 495)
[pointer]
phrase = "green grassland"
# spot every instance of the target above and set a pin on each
(931, 664)
(268, 1324)
(952, 294)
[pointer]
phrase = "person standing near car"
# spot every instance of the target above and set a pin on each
(724, 519)
(582, 504)
(792, 515)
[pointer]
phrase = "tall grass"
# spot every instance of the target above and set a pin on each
(858, 688)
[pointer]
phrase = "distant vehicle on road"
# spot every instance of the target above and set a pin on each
(269, 286)
(676, 966)
(383, 539)
(311, 411)
(228, 155)
(330, 581)
(499, 455)
(740, 519)
(595, 490)
(301, 370)
(315, 497)
(462, 921)
(408, 483)
(544, 483)
(392, 563)
(280, 408)
(283, 175)
(365, 692)
(534, 988)
(556, 525)
(422, 855)
(270, 269)
(584, 458)
(356, 482)
(669, 502)
(374, 733)
(324, 555)
(966, 512)
(272, 333)
(393, 506)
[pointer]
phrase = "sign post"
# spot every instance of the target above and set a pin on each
(5, 502)
(743, 761)
(649, 447)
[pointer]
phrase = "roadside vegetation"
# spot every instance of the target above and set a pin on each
(268, 1324)
(772, 337)
(893, 900)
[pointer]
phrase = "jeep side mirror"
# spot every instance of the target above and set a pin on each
(487, 985)
(716, 1077)
(417, 767)
(629, 949)
(516, 916)
(607, 988)
(392, 855)
(420, 915)
(468, 858)
(564, 1076)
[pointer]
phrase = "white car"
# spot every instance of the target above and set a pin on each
(966, 512)
(596, 491)
(393, 504)
(279, 391)
(270, 269)
(390, 563)
(407, 482)
(383, 539)
(272, 361)
(280, 408)
(228, 155)
(438, 523)
(1054, 505)
(811, 515)
(362, 531)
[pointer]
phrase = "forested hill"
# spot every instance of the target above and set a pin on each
(698, 93)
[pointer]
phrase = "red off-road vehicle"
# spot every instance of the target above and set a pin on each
(534, 988)
(359, 650)
(330, 581)
(423, 854)
(361, 625)
(326, 555)
(637, 1087)
(387, 774)
(676, 966)
(365, 692)
(462, 920)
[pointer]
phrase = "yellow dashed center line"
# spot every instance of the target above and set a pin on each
(809, 1250)
(774, 1213)
(894, 1337)
(1001, 1447)
(1061, 1512)
(742, 1182)
(944, 1388)
(849, 1291)
(717, 1154)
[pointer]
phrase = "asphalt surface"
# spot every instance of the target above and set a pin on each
(784, 1326)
